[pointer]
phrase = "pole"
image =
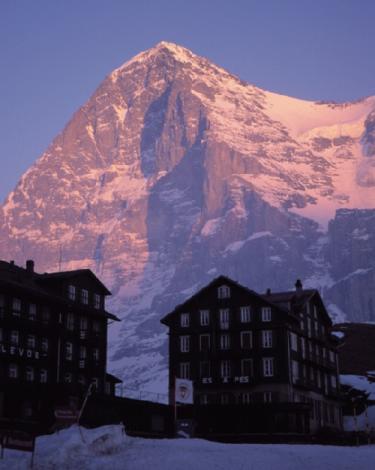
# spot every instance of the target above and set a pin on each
(88, 393)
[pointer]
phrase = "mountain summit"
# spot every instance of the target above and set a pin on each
(175, 171)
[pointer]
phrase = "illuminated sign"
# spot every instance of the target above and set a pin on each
(20, 352)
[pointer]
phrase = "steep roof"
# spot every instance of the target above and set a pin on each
(217, 281)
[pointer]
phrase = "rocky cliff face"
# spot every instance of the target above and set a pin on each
(176, 171)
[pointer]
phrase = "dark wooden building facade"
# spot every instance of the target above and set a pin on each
(53, 342)
(272, 356)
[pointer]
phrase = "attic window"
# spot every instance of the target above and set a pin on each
(85, 296)
(72, 292)
(223, 292)
(97, 301)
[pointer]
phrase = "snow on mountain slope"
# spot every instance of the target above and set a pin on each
(175, 171)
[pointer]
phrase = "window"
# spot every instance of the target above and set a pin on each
(45, 315)
(85, 296)
(43, 376)
(83, 323)
(13, 371)
(225, 369)
(70, 321)
(247, 367)
(224, 399)
(309, 327)
(245, 314)
(303, 348)
(224, 341)
(333, 381)
(68, 351)
(204, 342)
(96, 327)
(184, 370)
(267, 339)
(224, 318)
(223, 292)
(184, 320)
(95, 383)
(14, 337)
(97, 301)
(203, 399)
(82, 352)
(30, 343)
(32, 312)
(266, 314)
(68, 378)
(246, 339)
(95, 354)
(204, 317)
(72, 292)
(332, 356)
(295, 370)
(267, 397)
(315, 314)
(184, 343)
(2, 305)
(81, 380)
(204, 369)
(293, 342)
(268, 369)
(16, 307)
(44, 344)
(29, 374)
(245, 398)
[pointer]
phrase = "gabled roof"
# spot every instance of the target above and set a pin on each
(72, 274)
(219, 281)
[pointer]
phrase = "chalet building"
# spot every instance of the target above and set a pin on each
(53, 341)
(272, 354)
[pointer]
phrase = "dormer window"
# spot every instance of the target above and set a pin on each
(85, 296)
(72, 292)
(223, 292)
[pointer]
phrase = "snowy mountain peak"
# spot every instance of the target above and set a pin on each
(175, 171)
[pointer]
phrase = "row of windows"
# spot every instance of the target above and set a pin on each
(312, 328)
(28, 341)
(321, 379)
(225, 341)
(73, 322)
(84, 296)
(240, 398)
(227, 367)
(28, 373)
(245, 316)
(30, 310)
(300, 344)
(81, 352)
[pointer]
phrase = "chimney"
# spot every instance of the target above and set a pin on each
(268, 291)
(298, 286)
(30, 266)
(12, 262)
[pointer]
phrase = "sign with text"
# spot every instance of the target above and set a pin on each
(20, 352)
(66, 415)
(241, 379)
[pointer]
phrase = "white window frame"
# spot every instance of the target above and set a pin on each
(223, 292)
(224, 341)
(13, 371)
(267, 339)
(184, 370)
(224, 318)
(97, 301)
(204, 317)
(30, 375)
(266, 314)
(32, 312)
(245, 314)
(15, 337)
(184, 320)
(267, 397)
(84, 296)
(243, 367)
(244, 334)
(44, 344)
(293, 341)
(268, 367)
(68, 351)
(96, 354)
(16, 306)
(185, 343)
(43, 376)
(68, 377)
(30, 341)
(295, 370)
(205, 335)
(225, 369)
(70, 321)
(72, 292)
(245, 398)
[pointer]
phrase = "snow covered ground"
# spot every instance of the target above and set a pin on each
(108, 447)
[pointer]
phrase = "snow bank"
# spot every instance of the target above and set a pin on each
(107, 447)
